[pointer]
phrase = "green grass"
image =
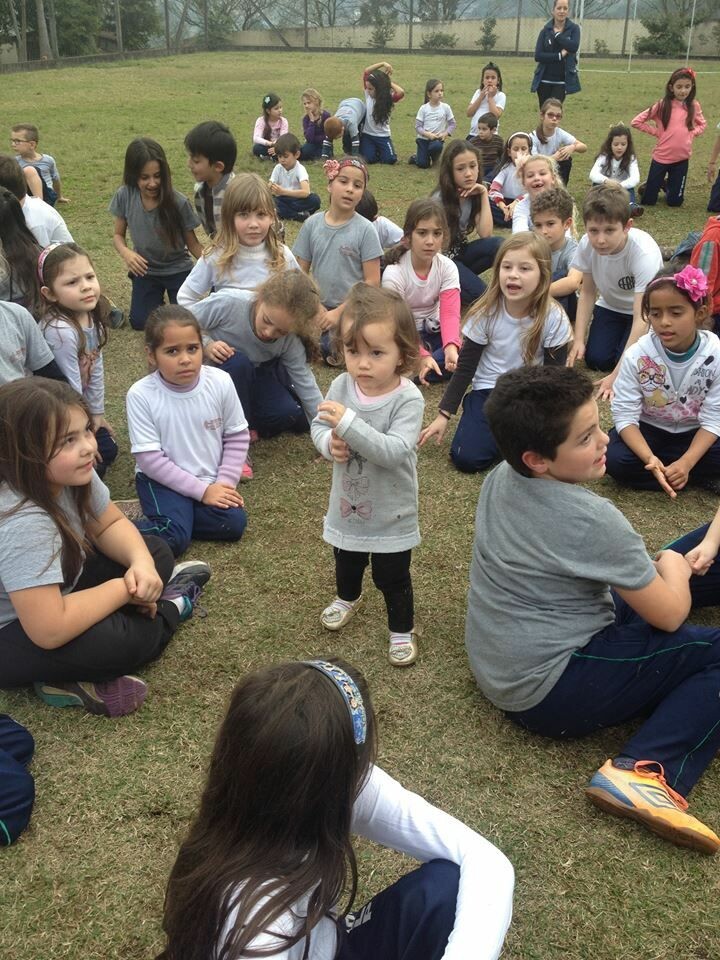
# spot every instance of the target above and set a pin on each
(114, 798)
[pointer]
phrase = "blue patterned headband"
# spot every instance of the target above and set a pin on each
(350, 694)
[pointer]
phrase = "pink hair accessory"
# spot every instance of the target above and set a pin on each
(693, 282)
(42, 258)
(333, 167)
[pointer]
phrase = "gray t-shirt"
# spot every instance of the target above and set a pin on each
(562, 258)
(30, 542)
(337, 254)
(23, 346)
(374, 496)
(147, 237)
(544, 554)
(227, 315)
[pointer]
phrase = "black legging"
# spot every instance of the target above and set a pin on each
(391, 575)
(118, 644)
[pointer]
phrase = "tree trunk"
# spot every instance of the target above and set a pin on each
(43, 38)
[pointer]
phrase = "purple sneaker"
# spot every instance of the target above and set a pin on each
(111, 698)
(187, 582)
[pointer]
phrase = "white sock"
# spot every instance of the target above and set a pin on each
(179, 603)
(400, 637)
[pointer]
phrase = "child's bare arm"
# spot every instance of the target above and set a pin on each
(57, 187)
(665, 602)
(586, 302)
(193, 244)
(564, 286)
(135, 263)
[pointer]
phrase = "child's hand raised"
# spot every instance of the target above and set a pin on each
(658, 469)
(330, 411)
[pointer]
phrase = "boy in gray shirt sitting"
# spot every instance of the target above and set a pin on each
(571, 627)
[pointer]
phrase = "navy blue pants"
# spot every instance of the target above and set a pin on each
(410, 920)
(714, 201)
(428, 151)
(608, 335)
(288, 208)
(149, 292)
(476, 257)
(625, 467)
(267, 396)
(310, 151)
(499, 217)
(473, 447)
(377, 149)
(631, 670)
(556, 91)
(108, 450)
(261, 150)
(118, 644)
(17, 788)
(177, 519)
(672, 176)
(433, 343)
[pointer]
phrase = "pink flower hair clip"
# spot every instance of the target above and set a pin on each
(333, 167)
(693, 282)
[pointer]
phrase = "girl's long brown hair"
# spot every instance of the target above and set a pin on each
(662, 109)
(274, 820)
(52, 311)
(426, 208)
(491, 302)
(448, 190)
(246, 193)
(34, 415)
(144, 150)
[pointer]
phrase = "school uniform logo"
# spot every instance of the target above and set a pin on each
(627, 283)
(215, 424)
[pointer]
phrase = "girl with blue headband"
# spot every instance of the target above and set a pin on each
(268, 867)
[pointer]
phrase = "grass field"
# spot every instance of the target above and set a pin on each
(114, 798)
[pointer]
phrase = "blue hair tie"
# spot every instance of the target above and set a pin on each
(350, 694)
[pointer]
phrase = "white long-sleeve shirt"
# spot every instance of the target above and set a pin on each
(628, 179)
(387, 813)
(248, 269)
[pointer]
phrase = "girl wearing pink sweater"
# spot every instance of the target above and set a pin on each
(675, 120)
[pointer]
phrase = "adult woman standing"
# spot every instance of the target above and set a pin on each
(556, 50)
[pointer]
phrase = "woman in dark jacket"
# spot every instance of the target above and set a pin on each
(556, 54)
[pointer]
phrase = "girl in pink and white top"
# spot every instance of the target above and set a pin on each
(429, 283)
(269, 126)
(675, 120)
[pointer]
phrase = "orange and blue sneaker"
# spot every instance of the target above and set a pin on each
(642, 794)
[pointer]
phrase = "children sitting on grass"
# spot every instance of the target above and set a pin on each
(571, 627)
(666, 406)
(289, 182)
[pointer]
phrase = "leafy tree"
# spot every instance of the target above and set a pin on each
(140, 22)
(488, 37)
(666, 35)
(78, 25)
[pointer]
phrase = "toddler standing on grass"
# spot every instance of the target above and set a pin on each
(368, 425)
